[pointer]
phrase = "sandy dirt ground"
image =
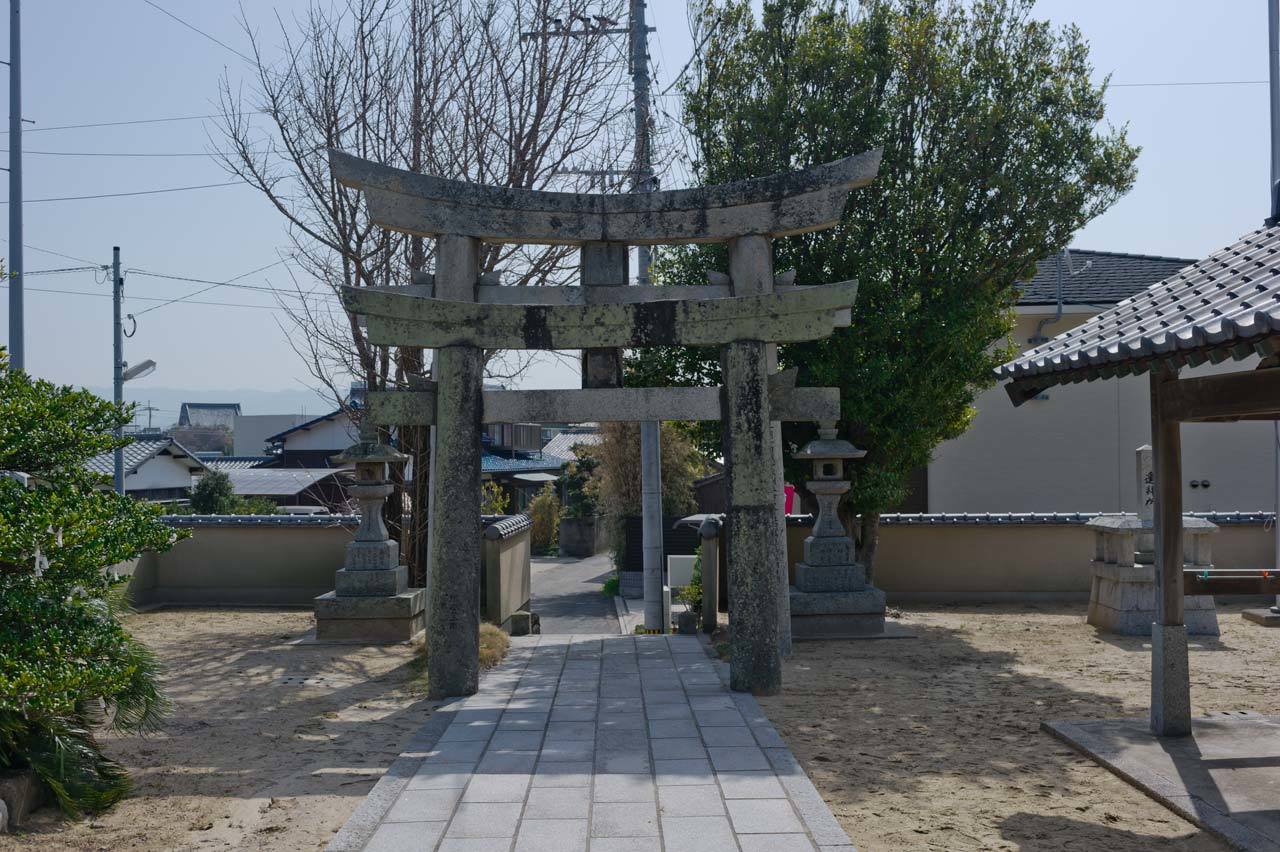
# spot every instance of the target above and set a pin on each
(271, 745)
(930, 743)
(933, 743)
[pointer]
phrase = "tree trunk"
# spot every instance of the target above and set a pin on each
(868, 539)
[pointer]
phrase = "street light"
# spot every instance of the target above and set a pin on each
(138, 371)
(125, 374)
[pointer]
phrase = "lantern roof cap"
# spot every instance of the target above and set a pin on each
(828, 446)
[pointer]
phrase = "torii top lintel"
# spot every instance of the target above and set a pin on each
(775, 206)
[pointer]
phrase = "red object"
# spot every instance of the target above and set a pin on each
(790, 491)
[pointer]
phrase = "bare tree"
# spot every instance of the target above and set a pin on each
(454, 88)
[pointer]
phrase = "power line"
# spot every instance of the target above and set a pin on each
(125, 194)
(214, 285)
(196, 29)
(135, 121)
(54, 253)
(63, 270)
(112, 153)
(153, 299)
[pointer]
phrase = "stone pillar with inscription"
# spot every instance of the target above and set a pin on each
(1123, 596)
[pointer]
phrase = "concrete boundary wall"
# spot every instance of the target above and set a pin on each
(286, 561)
(1005, 557)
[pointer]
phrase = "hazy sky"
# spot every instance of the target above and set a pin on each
(1202, 175)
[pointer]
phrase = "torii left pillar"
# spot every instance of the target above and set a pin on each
(453, 604)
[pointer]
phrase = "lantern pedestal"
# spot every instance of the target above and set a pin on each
(371, 600)
(831, 598)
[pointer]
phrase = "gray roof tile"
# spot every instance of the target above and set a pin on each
(1102, 277)
(1227, 305)
(141, 450)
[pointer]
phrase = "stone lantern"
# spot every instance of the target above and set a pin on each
(831, 598)
(371, 599)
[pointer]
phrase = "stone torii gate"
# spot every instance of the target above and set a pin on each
(460, 313)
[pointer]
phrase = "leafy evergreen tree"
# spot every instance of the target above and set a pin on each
(63, 647)
(993, 158)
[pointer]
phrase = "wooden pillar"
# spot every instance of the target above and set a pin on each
(1170, 670)
(754, 527)
(453, 604)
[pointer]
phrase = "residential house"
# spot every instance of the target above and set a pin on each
(157, 468)
(313, 443)
(1072, 448)
(250, 432)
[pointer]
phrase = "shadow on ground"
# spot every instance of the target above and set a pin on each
(934, 743)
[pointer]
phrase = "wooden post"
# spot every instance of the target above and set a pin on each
(754, 525)
(1170, 671)
(453, 605)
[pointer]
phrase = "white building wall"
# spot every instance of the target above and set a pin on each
(1074, 451)
(336, 434)
(159, 472)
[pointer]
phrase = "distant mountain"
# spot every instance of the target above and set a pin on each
(167, 401)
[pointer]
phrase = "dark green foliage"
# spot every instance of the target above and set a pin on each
(579, 500)
(612, 586)
(213, 495)
(993, 158)
(62, 644)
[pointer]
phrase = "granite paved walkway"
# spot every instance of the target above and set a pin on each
(567, 598)
(601, 743)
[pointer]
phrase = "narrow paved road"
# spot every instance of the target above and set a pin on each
(566, 595)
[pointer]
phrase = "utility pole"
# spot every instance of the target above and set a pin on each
(650, 430)
(641, 172)
(17, 343)
(117, 359)
(1273, 37)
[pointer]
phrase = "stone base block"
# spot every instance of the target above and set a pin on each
(395, 618)
(1264, 616)
(1124, 601)
(366, 583)
(836, 615)
(366, 555)
(829, 550)
(1170, 682)
(830, 578)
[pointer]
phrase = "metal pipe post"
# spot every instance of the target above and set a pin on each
(17, 334)
(117, 358)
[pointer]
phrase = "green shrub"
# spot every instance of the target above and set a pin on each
(63, 647)
(213, 495)
(544, 511)
(692, 593)
(612, 586)
(493, 499)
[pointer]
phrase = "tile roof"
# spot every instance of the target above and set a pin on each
(234, 462)
(1225, 306)
(277, 481)
(141, 450)
(1101, 277)
(495, 463)
(208, 414)
(271, 439)
(562, 444)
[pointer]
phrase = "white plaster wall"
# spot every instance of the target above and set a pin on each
(159, 472)
(336, 434)
(1073, 452)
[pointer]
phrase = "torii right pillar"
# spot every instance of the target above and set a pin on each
(754, 527)
(1170, 668)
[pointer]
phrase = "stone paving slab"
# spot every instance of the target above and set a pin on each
(1224, 777)
(602, 743)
